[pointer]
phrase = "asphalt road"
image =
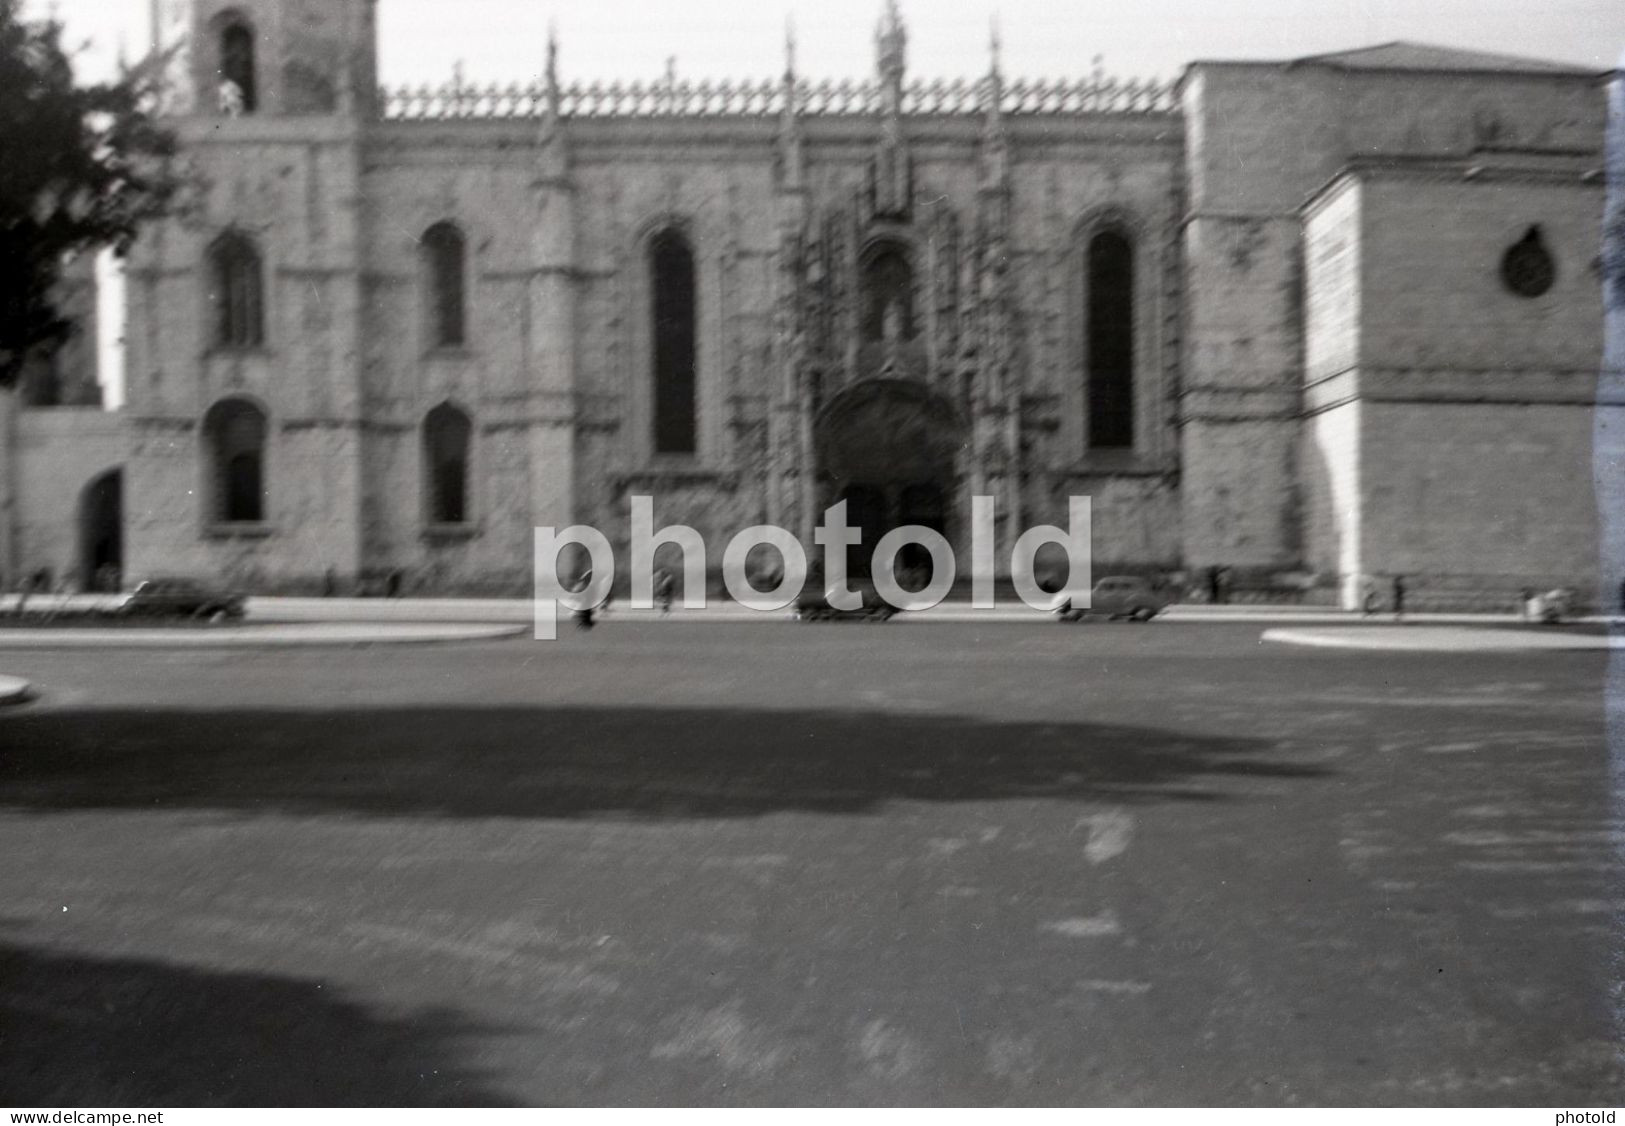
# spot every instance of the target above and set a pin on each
(673, 863)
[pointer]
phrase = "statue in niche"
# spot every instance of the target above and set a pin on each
(231, 101)
(889, 285)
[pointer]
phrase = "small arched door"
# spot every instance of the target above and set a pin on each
(101, 532)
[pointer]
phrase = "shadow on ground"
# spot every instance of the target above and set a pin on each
(575, 762)
(82, 1031)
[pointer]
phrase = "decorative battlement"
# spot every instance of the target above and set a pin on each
(665, 97)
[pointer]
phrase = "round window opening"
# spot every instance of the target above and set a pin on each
(1527, 267)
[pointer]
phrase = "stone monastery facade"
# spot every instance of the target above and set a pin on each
(1316, 322)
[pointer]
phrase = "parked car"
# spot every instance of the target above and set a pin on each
(181, 598)
(1116, 596)
(815, 607)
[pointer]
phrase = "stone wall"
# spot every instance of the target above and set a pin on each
(1331, 470)
(1434, 299)
(1263, 137)
(1455, 413)
(1477, 446)
(60, 451)
(717, 181)
(1135, 520)
(1330, 460)
(1261, 140)
(310, 496)
(1476, 501)
(290, 186)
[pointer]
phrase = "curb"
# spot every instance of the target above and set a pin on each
(1444, 639)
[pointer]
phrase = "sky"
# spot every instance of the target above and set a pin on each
(423, 41)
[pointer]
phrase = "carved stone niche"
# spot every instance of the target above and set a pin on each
(892, 310)
(891, 184)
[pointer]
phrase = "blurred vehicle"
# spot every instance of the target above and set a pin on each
(1550, 608)
(181, 598)
(1116, 596)
(811, 607)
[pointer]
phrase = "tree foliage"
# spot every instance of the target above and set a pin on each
(81, 168)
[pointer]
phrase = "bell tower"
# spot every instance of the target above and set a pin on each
(284, 58)
(257, 300)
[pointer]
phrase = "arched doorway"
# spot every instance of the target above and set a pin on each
(101, 532)
(889, 448)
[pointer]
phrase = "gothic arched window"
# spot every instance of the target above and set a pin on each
(1109, 341)
(445, 262)
(234, 437)
(236, 292)
(238, 92)
(888, 294)
(671, 283)
(447, 433)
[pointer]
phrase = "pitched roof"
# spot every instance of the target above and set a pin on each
(1403, 55)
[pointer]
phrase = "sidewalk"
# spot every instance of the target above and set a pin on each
(723, 609)
(519, 611)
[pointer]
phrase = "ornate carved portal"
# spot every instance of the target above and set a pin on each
(900, 381)
(890, 448)
(899, 363)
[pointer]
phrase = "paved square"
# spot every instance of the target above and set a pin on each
(666, 862)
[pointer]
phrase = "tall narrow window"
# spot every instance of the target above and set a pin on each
(888, 295)
(238, 92)
(445, 260)
(1109, 351)
(671, 280)
(446, 434)
(236, 292)
(234, 434)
